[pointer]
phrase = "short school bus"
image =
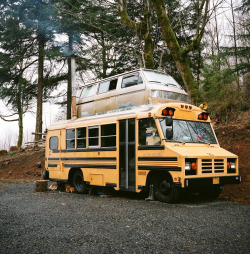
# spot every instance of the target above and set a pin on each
(170, 147)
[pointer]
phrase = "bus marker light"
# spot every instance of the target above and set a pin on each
(193, 166)
(168, 111)
(203, 116)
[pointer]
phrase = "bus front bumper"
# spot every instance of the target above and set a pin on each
(208, 181)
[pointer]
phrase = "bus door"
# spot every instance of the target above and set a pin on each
(127, 154)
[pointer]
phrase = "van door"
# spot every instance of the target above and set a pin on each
(127, 154)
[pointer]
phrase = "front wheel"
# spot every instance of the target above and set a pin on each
(166, 191)
(78, 182)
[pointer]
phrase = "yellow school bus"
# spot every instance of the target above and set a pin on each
(171, 147)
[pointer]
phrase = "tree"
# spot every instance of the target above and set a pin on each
(179, 53)
(17, 47)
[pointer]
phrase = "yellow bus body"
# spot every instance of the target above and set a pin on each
(129, 160)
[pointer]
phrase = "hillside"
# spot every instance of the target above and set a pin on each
(234, 136)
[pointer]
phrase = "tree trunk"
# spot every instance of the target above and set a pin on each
(179, 58)
(20, 115)
(104, 57)
(39, 113)
(69, 91)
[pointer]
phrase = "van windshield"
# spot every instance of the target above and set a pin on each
(157, 77)
(189, 131)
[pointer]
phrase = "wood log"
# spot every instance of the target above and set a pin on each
(41, 185)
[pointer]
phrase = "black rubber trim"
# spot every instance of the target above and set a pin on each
(151, 147)
(58, 180)
(111, 184)
(159, 168)
(157, 158)
(89, 159)
(53, 159)
(89, 166)
(85, 150)
(140, 187)
(52, 165)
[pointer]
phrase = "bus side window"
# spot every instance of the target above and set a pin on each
(108, 135)
(88, 91)
(148, 133)
(107, 86)
(93, 136)
(81, 137)
(70, 138)
(131, 80)
(53, 143)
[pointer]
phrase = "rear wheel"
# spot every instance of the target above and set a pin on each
(166, 191)
(211, 193)
(78, 182)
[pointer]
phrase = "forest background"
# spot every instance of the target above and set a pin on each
(203, 44)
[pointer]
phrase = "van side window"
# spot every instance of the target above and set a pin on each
(88, 91)
(53, 143)
(81, 137)
(107, 86)
(131, 80)
(108, 135)
(148, 133)
(70, 138)
(94, 136)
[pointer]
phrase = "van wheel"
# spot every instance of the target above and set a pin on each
(166, 191)
(211, 193)
(78, 182)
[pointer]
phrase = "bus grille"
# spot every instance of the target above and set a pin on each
(212, 166)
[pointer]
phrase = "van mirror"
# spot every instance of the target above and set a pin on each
(169, 121)
(169, 133)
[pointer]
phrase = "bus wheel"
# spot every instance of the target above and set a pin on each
(78, 183)
(211, 193)
(166, 191)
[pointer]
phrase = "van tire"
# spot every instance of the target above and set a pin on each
(78, 182)
(166, 191)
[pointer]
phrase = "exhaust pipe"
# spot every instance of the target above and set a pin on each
(73, 82)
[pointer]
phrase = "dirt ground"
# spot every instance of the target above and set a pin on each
(234, 136)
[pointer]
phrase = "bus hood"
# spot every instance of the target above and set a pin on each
(201, 150)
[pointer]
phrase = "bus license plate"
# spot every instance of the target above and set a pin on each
(216, 180)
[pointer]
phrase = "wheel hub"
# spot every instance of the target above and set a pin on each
(165, 187)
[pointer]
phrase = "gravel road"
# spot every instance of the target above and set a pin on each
(59, 222)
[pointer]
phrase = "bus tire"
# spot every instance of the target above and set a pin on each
(211, 193)
(166, 191)
(78, 182)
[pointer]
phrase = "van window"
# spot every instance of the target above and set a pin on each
(148, 133)
(53, 143)
(88, 91)
(81, 137)
(107, 86)
(131, 80)
(70, 138)
(94, 136)
(108, 135)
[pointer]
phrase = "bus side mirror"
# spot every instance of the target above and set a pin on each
(169, 133)
(169, 121)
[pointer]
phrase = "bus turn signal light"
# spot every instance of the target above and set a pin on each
(203, 116)
(168, 111)
(193, 166)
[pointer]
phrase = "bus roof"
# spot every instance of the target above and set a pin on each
(142, 111)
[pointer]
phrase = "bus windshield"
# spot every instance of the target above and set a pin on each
(157, 77)
(189, 131)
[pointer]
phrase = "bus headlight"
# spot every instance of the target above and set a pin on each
(187, 165)
(231, 166)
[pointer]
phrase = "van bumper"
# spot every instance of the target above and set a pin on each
(208, 181)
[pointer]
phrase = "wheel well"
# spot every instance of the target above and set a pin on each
(71, 173)
(153, 175)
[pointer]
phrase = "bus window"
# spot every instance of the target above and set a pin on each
(81, 137)
(88, 91)
(107, 86)
(53, 143)
(148, 133)
(94, 136)
(70, 139)
(132, 80)
(108, 135)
